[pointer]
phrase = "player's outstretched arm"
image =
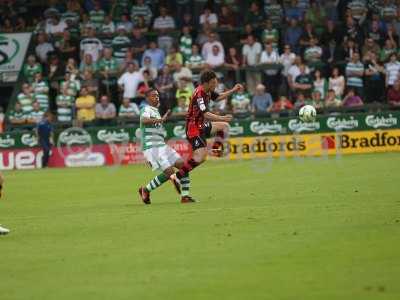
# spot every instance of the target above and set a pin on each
(151, 121)
(226, 94)
(216, 118)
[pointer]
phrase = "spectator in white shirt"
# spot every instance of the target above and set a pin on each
(392, 69)
(270, 58)
(251, 52)
(294, 71)
(43, 48)
(207, 47)
(337, 82)
(55, 26)
(182, 76)
(129, 82)
(91, 45)
(215, 58)
(208, 18)
(287, 59)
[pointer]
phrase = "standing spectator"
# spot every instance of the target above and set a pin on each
(108, 69)
(85, 105)
(226, 19)
(233, 61)
(292, 35)
(251, 52)
(17, 116)
(274, 12)
(64, 102)
(127, 24)
(26, 98)
(147, 65)
(87, 63)
(107, 30)
(43, 48)
(185, 43)
(320, 83)
(105, 111)
(317, 100)
(208, 46)
(393, 95)
(31, 67)
(294, 71)
(128, 109)
(120, 44)
(55, 27)
(71, 84)
(97, 15)
(208, 18)
(388, 49)
(140, 9)
(374, 79)
(36, 114)
(262, 101)
(91, 45)
(355, 73)
(91, 83)
(180, 109)
(287, 59)
(304, 82)
(392, 69)
(163, 25)
(313, 54)
(165, 85)
(270, 58)
(370, 45)
(352, 99)
(156, 54)
(293, 11)
(337, 82)
(241, 101)
(129, 82)
(67, 46)
(195, 62)
(270, 35)
(174, 57)
(41, 91)
(44, 132)
(72, 68)
(182, 74)
(255, 16)
(138, 43)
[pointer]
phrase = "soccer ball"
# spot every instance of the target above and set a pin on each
(307, 113)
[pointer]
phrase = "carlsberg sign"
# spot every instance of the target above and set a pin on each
(13, 48)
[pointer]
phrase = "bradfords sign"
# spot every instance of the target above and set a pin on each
(12, 53)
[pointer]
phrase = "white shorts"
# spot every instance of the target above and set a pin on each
(161, 158)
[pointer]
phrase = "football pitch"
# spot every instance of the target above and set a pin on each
(263, 229)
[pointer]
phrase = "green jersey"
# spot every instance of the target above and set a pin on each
(30, 71)
(128, 111)
(16, 116)
(151, 135)
(73, 86)
(64, 107)
(120, 45)
(41, 94)
(26, 102)
(97, 17)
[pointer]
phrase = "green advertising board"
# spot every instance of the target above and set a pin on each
(239, 128)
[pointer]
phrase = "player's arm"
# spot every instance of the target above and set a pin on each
(216, 118)
(226, 94)
(152, 121)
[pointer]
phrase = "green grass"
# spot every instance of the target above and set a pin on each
(286, 229)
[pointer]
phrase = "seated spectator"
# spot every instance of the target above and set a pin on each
(293, 11)
(313, 53)
(64, 102)
(274, 12)
(262, 101)
(208, 46)
(85, 106)
(287, 59)
(17, 116)
(7, 26)
(282, 104)
(233, 60)
(388, 49)
(337, 82)
(163, 25)
(174, 57)
(90, 82)
(393, 95)
(294, 71)
(182, 74)
(55, 26)
(108, 67)
(195, 62)
(270, 35)
(138, 44)
(350, 47)
(97, 15)
(293, 34)
(91, 45)
(141, 25)
(184, 91)
(302, 100)
(317, 100)
(240, 101)
(72, 68)
(26, 98)
(320, 83)
(107, 30)
(304, 82)
(307, 35)
(352, 99)
(181, 108)
(215, 58)
(254, 16)
(146, 84)
(156, 54)
(126, 23)
(355, 74)
(41, 91)
(208, 17)
(43, 48)
(30, 68)
(315, 15)
(185, 43)
(129, 59)
(165, 85)
(128, 109)
(71, 84)
(105, 111)
(147, 65)
(129, 82)
(270, 58)
(87, 63)
(226, 19)
(370, 45)
(332, 100)
(36, 114)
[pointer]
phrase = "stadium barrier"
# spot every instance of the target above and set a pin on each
(285, 137)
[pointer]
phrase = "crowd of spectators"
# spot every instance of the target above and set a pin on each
(92, 61)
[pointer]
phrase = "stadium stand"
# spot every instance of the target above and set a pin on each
(337, 55)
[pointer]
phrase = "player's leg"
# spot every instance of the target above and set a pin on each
(184, 184)
(220, 130)
(199, 155)
(4, 230)
(1, 183)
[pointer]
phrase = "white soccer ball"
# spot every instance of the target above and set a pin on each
(307, 113)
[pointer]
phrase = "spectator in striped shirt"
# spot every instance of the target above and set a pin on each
(17, 116)
(392, 69)
(143, 10)
(41, 91)
(64, 102)
(36, 114)
(97, 15)
(120, 44)
(26, 98)
(31, 67)
(355, 73)
(91, 45)
(128, 109)
(163, 25)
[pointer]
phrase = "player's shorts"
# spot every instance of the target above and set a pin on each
(200, 141)
(161, 158)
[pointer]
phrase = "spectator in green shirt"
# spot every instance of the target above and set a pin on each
(17, 116)
(31, 67)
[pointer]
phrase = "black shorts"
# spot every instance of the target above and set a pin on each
(200, 141)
